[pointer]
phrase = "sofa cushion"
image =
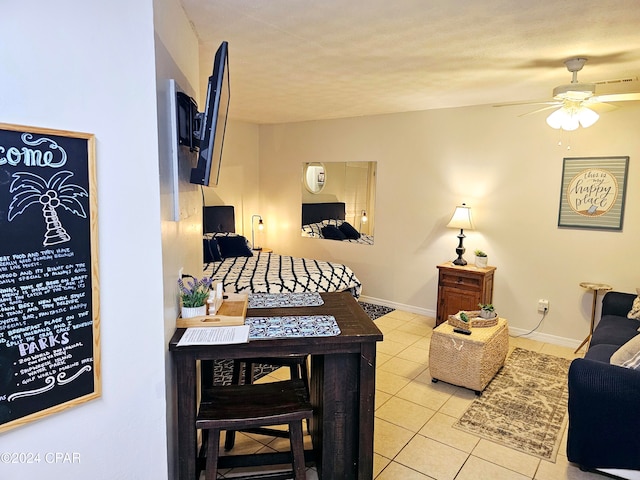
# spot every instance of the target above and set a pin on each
(614, 330)
(634, 313)
(617, 303)
(601, 353)
(626, 353)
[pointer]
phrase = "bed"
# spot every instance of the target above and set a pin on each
(228, 258)
(327, 220)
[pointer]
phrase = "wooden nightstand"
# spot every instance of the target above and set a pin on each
(462, 288)
(263, 250)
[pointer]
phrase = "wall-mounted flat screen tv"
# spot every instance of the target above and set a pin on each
(212, 122)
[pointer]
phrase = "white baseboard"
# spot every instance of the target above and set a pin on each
(514, 332)
(399, 306)
(545, 337)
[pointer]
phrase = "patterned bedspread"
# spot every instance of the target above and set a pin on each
(271, 273)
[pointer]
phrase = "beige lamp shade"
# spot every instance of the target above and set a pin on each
(461, 218)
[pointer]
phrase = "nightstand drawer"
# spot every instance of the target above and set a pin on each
(455, 280)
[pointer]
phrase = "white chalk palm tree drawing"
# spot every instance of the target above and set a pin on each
(31, 189)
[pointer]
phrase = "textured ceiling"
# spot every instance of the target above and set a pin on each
(298, 60)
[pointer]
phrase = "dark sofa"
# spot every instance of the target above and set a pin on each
(604, 399)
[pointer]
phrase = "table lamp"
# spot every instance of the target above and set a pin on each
(461, 219)
(253, 233)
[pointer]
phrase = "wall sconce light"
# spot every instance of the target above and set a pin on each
(253, 233)
(363, 218)
(461, 219)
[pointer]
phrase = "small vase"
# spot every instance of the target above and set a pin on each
(481, 262)
(190, 312)
(486, 314)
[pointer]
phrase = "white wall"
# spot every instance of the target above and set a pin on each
(507, 168)
(89, 67)
(238, 184)
(176, 56)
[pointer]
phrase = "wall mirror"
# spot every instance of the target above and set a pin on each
(338, 201)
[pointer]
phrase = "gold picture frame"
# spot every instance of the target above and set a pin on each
(49, 306)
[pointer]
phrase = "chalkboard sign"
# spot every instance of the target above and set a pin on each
(49, 306)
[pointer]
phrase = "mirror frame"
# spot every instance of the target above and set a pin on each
(314, 185)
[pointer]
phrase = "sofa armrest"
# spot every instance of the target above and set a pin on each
(617, 303)
(604, 418)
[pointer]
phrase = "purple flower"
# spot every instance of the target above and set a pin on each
(195, 292)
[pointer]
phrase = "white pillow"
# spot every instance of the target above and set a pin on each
(635, 309)
(626, 353)
(633, 362)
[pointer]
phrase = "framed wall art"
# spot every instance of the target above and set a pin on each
(593, 192)
(49, 295)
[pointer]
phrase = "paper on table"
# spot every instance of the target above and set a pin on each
(215, 336)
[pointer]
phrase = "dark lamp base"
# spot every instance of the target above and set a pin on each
(460, 251)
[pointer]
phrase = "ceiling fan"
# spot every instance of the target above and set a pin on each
(575, 103)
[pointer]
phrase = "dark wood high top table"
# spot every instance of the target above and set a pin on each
(342, 386)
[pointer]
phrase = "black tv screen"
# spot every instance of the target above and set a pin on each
(213, 121)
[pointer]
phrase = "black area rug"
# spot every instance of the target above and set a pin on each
(375, 311)
(222, 369)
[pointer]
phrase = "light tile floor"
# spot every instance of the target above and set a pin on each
(414, 437)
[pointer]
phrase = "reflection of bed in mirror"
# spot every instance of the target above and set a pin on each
(327, 220)
(228, 258)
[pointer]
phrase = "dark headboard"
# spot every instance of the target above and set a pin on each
(316, 212)
(218, 219)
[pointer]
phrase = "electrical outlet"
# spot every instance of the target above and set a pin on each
(543, 305)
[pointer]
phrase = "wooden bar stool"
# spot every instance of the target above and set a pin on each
(242, 407)
(298, 370)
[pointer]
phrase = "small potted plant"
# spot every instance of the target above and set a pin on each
(194, 294)
(481, 259)
(487, 311)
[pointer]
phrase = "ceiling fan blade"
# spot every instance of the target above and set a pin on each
(616, 97)
(512, 104)
(550, 107)
(602, 107)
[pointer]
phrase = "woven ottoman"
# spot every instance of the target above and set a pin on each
(470, 361)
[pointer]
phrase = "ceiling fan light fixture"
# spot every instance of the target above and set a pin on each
(587, 117)
(561, 119)
(570, 118)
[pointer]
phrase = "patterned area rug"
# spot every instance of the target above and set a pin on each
(375, 311)
(222, 369)
(525, 405)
